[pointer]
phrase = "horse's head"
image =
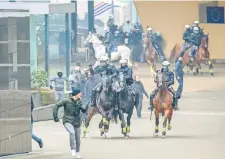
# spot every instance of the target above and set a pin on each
(161, 81)
(205, 41)
(106, 83)
(122, 80)
(91, 39)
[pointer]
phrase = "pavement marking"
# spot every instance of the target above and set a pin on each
(195, 113)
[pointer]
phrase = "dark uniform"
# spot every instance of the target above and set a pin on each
(156, 45)
(108, 70)
(128, 73)
(196, 42)
(187, 42)
(107, 41)
(110, 24)
(169, 82)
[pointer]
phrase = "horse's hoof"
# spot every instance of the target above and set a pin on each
(212, 74)
(156, 134)
(169, 127)
(126, 137)
(163, 136)
(84, 135)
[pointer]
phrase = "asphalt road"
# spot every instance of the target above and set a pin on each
(198, 129)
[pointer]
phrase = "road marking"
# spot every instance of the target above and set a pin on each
(195, 113)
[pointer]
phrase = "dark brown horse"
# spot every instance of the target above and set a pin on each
(203, 56)
(150, 55)
(162, 104)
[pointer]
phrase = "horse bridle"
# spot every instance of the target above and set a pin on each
(88, 38)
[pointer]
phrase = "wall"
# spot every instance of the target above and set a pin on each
(170, 17)
(15, 109)
(15, 127)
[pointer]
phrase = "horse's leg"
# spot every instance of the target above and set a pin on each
(199, 67)
(130, 113)
(169, 122)
(164, 124)
(123, 123)
(101, 127)
(104, 117)
(156, 123)
(91, 112)
(210, 67)
(150, 66)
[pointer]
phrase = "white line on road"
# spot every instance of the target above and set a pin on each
(195, 113)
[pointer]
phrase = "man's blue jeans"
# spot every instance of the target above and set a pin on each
(34, 137)
(180, 87)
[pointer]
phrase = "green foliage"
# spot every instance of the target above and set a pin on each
(39, 79)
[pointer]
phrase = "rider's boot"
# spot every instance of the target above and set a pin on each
(117, 102)
(175, 103)
(93, 96)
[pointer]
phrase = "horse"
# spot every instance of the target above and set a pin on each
(99, 49)
(150, 55)
(129, 100)
(105, 103)
(203, 56)
(162, 104)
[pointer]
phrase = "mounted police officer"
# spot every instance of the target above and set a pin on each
(179, 76)
(169, 82)
(110, 24)
(186, 38)
(128, 73)
(196, 42)
(107, 40)
(106, 69)
(136, 43)
(155, 43)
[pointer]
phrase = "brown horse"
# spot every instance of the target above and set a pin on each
(150, 55)
(203, 56)
(162, 104)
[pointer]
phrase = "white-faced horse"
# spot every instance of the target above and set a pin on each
(99, 48)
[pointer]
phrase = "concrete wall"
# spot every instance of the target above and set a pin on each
(15, 127)
(170, 17)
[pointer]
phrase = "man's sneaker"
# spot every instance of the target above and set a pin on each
(73, 152)
(78, 155)
(41, 144)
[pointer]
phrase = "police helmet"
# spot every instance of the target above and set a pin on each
(166, 64)
(123, 61)
(196, 22)
(187, 26)
(104, 58)
(149, 29)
